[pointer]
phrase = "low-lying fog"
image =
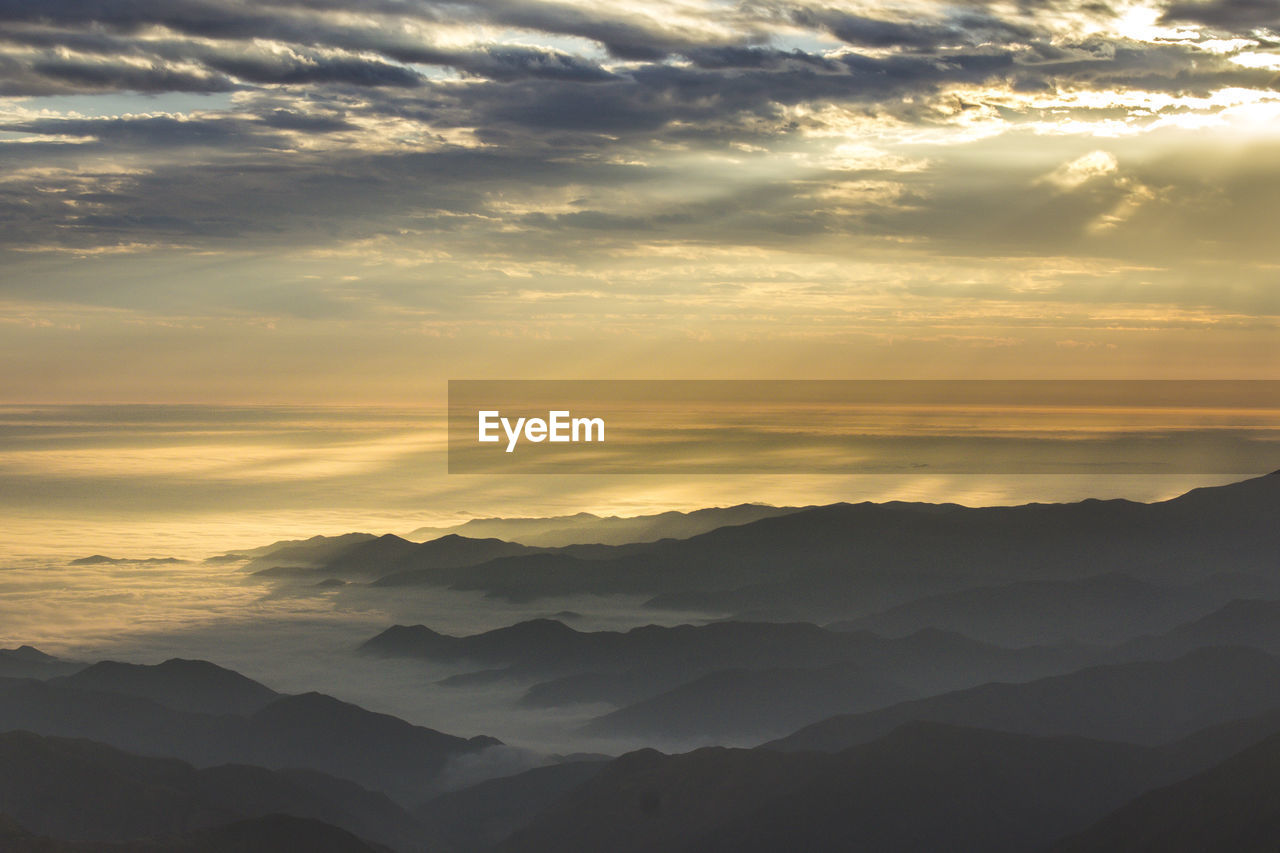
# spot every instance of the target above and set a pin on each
(147, 613)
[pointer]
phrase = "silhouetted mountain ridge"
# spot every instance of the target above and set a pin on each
(308, 731)
(920, 788)
(476, 818)
(1232, 806)
(269, 834)
(30, 662)
(81, 790)
(624, 667)
(1243, 622)
(1100, 609)
(587, 528)
(99, 559)
(847, 559)
(1147, 702)
(185, 685)
(313, 550)
(739, 704)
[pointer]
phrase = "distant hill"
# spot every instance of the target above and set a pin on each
(752, 704)
(372, 557)
(736, 705)
(646, 801)
(536, 639)
(1232, 806)
(398, 561)
(377, 750)
(844, 561)
(272, 834)
(927, 787)
(99, 559)
(623, 667)
(1101, 609)
(185, 685)
(308, 731)
(474, 819)
(564, 571)
(1243, 623)
(1206, 747)
(391, 555)
(922, 788)
(30, 662)
(269, 834)
(313, 550)
(1146, 702)
(105, 794)
(479, 540)
(586, 528)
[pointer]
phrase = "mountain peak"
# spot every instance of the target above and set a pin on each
(29, 654)
(178, 683)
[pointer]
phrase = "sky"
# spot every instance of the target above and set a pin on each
(192, 481)
(329, 202)
(328, 209)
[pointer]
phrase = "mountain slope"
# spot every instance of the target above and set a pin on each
(185, 685)
(309, 731)
(928, 787)
(78, 789)
(845, 560)
(475, 819)
(1147, 702)
(298, 551)
(1243, 622)
(1101, 609)
(752, 704)
(922, 788)
(346, 740)
(649, 801)
(30, 662)
(1232, 806)
(369, 558)
(624, 667)
(586, 528)
(269, 834)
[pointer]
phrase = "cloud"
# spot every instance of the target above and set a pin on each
(137, 133)
(297, 120)
(470, 149)
(1084, 168)
(956, 29)
(295, 70)
(1242, 16)
(68, 76)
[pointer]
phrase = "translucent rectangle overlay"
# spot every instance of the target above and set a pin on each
(864, 426)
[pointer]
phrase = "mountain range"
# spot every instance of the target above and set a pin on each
(585, 528)
(268, 834)
(1146, 703)
(184, 685)
(919, 788)
(848, 561)
(1100, 609)
(78, 790)
(310, 730)
(1101, 675)
(30, 662)
(567, 666)
(1231, 806)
